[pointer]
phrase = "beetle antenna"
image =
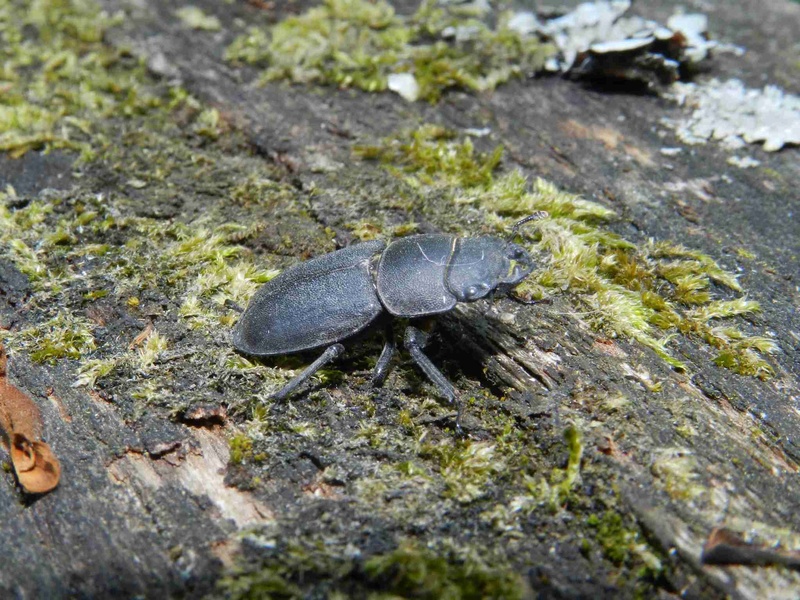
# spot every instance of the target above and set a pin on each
(539, 214)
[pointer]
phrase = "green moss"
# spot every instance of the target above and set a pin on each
(92, 370)
(344, 42)
(431, 156)
(413, 571)
(63, 336)
(624, 545)
(209, 124)
(465, 466)
(405, 229)
(257, 190)
(648, 292)
(78, 93)
(614, 402)
(12, 225)
(199, 265)
(241, 447)
(677, 471)
(355, 43)
(745, 362)
(154, 345)
(58, 77)
(484, 59)
(555, 492)
(574, 440)
(263, 583)
(195, 18)
(364, 230)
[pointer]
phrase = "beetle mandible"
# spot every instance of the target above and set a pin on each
(335, 296)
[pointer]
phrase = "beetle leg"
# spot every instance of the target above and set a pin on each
(331, 352)
(382, 366)
(415, 341)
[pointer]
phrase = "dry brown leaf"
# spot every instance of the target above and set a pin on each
(23, 454)
(18, 413)
(45, 473)
(37, 468)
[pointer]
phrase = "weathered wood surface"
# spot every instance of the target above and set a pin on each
(148, 505)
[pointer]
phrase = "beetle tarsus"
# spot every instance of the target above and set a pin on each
(388, 352)
(331, 353)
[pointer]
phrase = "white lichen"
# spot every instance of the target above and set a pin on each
(735, 115)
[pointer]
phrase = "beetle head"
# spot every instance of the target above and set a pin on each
(484, 264)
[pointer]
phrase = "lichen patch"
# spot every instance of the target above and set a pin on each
(733, 115)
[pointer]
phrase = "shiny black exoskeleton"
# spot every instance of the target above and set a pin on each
(336, 296)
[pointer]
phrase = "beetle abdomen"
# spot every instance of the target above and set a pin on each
(312, 304)
(411, 275)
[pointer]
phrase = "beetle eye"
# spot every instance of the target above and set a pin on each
(474, 292)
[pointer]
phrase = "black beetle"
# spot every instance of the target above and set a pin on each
(335, 296)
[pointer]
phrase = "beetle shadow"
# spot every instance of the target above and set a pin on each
(477, 336)
(358, 363)
(461, 346)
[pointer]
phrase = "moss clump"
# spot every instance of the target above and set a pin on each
(349, 43)
(12, 225)
(57, 77)
(92, 370)
(410, 571)
(677, 470)
(195, 18)
(202, 267)
(205, 259)
(355, 43)
(241, 448)
(413, 571)
(152, 347)
(63, 336)
(624, 545)
(465, 466)
(91, 257)
(431, 155)
(554, 493)
(649, 292)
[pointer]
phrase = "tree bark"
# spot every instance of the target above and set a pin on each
(171, 489)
